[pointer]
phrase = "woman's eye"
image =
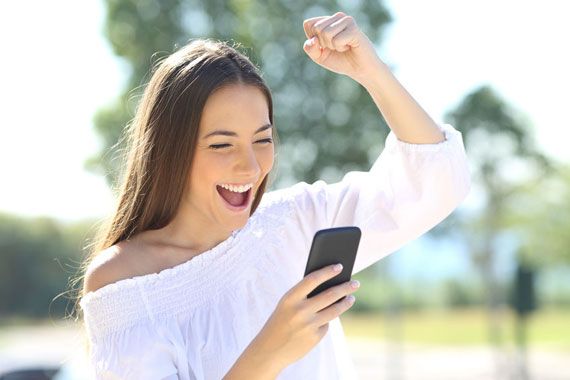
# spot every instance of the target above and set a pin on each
(221, 146)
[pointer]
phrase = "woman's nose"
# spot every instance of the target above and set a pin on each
(248, 166)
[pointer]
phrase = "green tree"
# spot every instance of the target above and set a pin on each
(539, 214)
(37, 257)
(25, 254)
(503, 159)
(327, 123)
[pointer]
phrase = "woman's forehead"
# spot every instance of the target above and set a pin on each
(235, 106)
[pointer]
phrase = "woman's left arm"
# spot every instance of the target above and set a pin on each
(337, 44)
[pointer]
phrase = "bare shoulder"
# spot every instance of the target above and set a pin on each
(109, 266)
(139, 256)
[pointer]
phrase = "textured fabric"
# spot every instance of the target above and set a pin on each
(193, 321)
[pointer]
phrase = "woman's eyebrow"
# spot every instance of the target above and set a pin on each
(230, 133)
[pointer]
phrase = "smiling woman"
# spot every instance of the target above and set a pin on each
(232, 158)
(194, 93)
(199, 272)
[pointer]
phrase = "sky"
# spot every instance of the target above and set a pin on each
(439, 50)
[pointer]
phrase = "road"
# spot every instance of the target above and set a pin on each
(374, 360)
(380, 360)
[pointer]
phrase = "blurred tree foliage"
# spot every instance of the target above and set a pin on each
(540, 216)
(327, 123)
(459, 294)
(504, 159)
(37, 257)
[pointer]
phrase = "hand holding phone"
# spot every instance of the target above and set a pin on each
(301, 317)
(332, 246)
(298, 323)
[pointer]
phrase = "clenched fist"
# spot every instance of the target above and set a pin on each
(337, 44)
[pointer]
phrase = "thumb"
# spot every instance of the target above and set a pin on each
(311, 47)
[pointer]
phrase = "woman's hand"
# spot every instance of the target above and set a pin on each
(298, 323)
(336, 43)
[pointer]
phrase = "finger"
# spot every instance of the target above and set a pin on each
(329, 33)
(346, 39)
(315, 51)
(314, 279)
(334, 310)
(320, 26)
(330, 296)
(323, 329)
(308, 25)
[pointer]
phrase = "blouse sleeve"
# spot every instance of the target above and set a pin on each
(408, 190)
(135, 353)
(124, 342)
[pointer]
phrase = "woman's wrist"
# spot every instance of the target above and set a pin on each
(255, 363)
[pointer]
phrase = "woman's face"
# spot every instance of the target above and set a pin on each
(234, 153)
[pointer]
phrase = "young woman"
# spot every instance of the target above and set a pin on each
(199, 273)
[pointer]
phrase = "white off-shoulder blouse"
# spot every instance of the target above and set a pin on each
(193, 321)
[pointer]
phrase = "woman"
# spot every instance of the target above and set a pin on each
(199, 274)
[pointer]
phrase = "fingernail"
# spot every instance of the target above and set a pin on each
(350, 298)
(337, 267)
(355, 283)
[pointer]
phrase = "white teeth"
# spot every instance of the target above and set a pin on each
(237, 189)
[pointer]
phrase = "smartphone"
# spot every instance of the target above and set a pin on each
(332, 246)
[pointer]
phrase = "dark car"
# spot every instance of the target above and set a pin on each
(30, 374)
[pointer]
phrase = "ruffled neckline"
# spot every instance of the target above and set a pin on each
(191, 285)
(201, 260)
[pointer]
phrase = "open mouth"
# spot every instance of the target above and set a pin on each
(235, 200)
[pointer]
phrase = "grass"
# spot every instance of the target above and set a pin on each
(548, 329)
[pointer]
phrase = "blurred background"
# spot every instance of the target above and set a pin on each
(484, 295)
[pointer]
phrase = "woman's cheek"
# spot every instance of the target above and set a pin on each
(268, 159)
(217, 166)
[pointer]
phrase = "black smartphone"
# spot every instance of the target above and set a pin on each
(332, 246)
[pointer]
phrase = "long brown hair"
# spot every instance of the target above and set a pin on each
(162, 136)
